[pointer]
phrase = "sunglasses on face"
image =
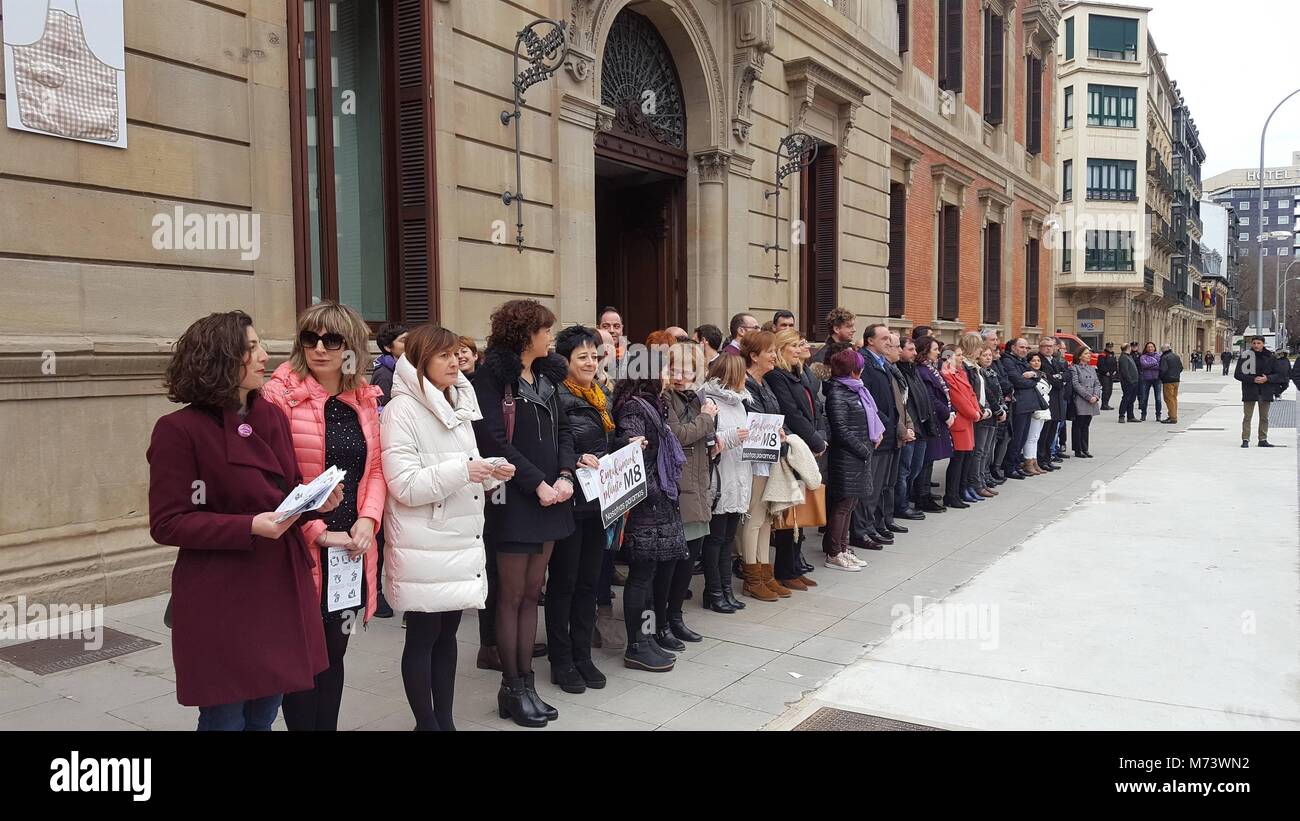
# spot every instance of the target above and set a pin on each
(333, 342)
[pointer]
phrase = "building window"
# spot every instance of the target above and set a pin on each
(1263, 252)
(1243, 237)
(1069, 38)
(1284, 252)
(950, 45)
(1031, 283)
(949, 261)
(1109, 251)
(1067, 181)
(1112, 180)
(1112, 38)
(1284, 204)
(897, 248)
(1067, 252)
(1263, 220)
(1244, 221)
(819, 256)
(1112, 106)
(1264, 205)
(1243, 205)
(993, 274)
(1069, 106)
(904, 26)
(994, 67)
(1034, 104)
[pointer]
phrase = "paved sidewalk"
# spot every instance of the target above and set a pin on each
(1168, 602)
(751, 667)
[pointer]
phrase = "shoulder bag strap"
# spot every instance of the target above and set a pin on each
(508, 412)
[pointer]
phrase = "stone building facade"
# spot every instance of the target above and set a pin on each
(364, 140)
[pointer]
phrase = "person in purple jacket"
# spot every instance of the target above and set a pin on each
(1149, 373)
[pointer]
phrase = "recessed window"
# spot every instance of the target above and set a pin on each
(1243, 238)
(1109, 251)
(1112, 180)
(1243, 205)
(1069, 106)
(1265, 205)
(1284, 252)
(1069, 38)
(1263, 220)
(1263, 252)
(1283, 219)
(1067, 184)
(1245, 221)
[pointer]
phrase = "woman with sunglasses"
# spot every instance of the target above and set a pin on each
(334, 419)
(245, 621)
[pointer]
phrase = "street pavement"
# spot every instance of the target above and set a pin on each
(1118, 592)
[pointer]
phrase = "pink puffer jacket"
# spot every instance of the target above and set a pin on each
(303, 402)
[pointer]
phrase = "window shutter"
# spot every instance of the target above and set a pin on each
(904, 32)
(897, 248)
(824, 231)
(993, 273)
(950, 46)
(1031, 284)
(1034, 105)
(949, 262)
(416, 237)
(994, 67)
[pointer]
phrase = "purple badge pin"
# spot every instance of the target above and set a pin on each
(245, 430)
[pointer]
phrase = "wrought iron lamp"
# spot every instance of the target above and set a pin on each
(800, 150)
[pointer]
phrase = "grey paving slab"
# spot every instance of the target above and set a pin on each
(107, 685)
(160, 713)
(651, 704)
(829, 649)
(719, 715)
(737, 657)
(63, 714)
(791, 669)
(17, 694)
(762, 694)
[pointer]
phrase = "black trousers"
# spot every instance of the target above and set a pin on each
(1045, 441)
(571, 592)
(784, 566)
(1001, 443)
(957, 466)
(921, 484)
(679, 581)
(716, 551)
(1107, 387)
(1081, 426)
(318, 708)
(884, 476)
(644, 579)
(1019, 435)
(1127, 399)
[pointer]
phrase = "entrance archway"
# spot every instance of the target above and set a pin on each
(641, 164)
(1090, 326)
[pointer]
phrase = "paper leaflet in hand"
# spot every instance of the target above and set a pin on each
(310, 496)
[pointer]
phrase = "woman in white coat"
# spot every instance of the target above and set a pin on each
(433, 553)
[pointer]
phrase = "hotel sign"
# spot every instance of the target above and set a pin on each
(1272, 174)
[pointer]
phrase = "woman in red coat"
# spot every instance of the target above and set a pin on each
(246, 624)
(968, 412)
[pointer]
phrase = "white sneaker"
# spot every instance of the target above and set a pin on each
(842, 561)
(853, 557)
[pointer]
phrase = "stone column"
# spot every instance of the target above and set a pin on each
(734, 285)
(575, 209)
(711, 224)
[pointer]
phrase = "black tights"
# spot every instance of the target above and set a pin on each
(318, 708)
(429, 667)
(717, 551)
(519, 578)
(669, 605)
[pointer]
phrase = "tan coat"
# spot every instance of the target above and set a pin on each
(693, 429)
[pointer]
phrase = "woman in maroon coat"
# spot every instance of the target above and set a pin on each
(246, 624)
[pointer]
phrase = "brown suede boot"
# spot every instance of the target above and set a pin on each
(754, 585)
(774, 585)
(793, 584)
(807, 582)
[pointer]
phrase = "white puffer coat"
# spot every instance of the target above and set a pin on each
(734, 478)
(433, 524)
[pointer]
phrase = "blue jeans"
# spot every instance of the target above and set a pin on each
(254, 714)
(1149, 387)
(910, 462)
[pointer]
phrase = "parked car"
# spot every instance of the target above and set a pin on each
(1073, 345)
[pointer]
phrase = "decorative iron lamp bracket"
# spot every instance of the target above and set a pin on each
(800, 151)
(544, 55)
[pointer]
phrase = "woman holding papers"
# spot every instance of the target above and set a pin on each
(334, 419)
(437, 483)
(759, 352)
(733, 480)
(518, 393)
(246, 623)
(575, 564)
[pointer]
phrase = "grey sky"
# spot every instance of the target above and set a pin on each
(1233, 62)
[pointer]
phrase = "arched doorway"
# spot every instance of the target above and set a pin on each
(641, 163)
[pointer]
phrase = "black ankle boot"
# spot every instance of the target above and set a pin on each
(729, 595)
(716, 602)
(681, 631)
(664, 638)
(513, 702)
(595, 679)
(530, 685)
(568, 679)
(642, 655)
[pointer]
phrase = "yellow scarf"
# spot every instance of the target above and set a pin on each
(593, 396)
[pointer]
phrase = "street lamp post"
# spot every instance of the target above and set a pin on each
(1260, 265)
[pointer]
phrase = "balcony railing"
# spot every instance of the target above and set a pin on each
(1194, 221)
(1160, 231)
(1112, 195)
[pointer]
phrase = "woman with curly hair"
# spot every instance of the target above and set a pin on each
(245, 615)
(334, 420)
(518, 392)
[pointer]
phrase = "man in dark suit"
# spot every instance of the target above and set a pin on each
(884, 460)
(1056, 378)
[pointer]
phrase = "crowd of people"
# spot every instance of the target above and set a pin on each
(461, 486)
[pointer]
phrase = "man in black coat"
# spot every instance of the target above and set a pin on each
(1056, 378)
(866, 530)
(1024, 402)
(912, 457)
(1226, 358)
(1129, 378)
(1107, 371)
(1260, 379)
